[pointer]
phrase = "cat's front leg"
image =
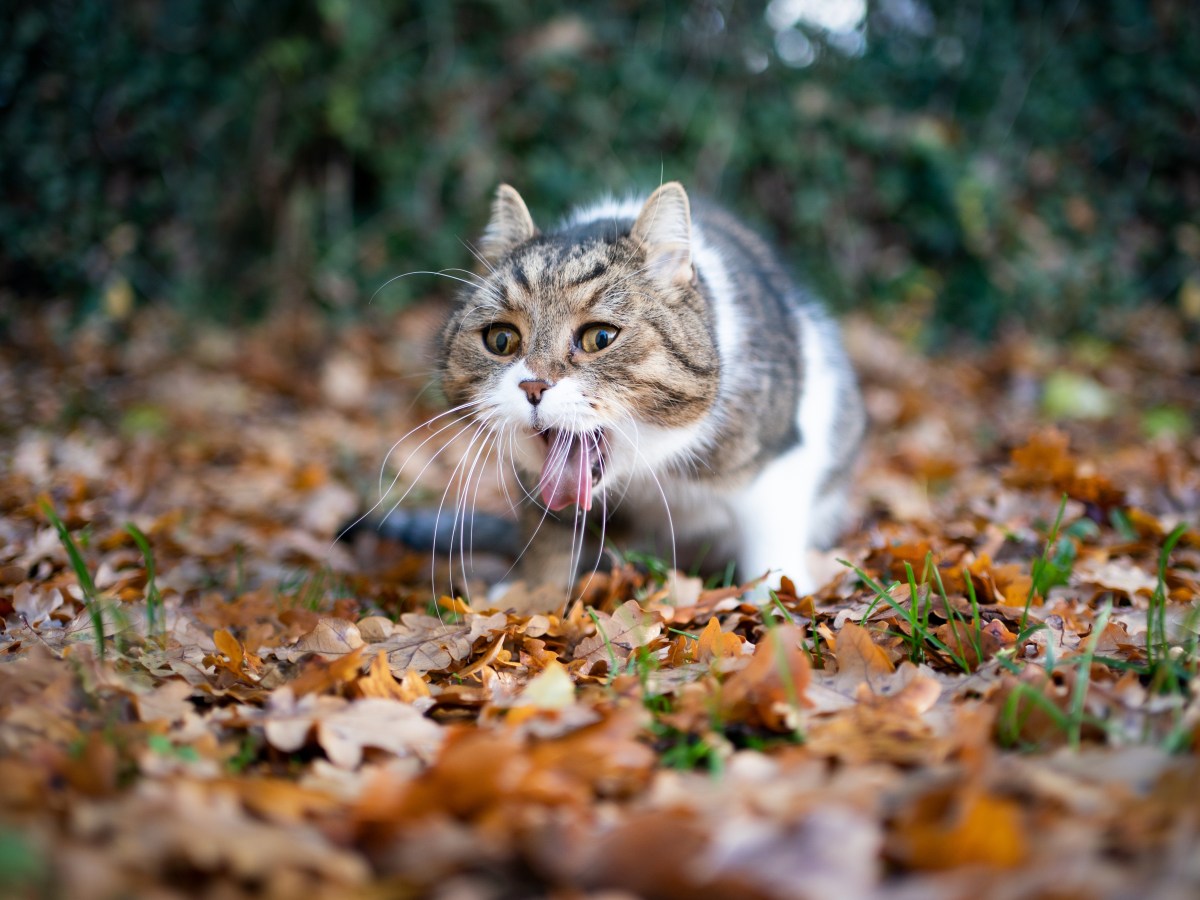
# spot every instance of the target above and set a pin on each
(773, 515)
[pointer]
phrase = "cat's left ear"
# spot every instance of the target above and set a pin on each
(510, 225)
(664, 229)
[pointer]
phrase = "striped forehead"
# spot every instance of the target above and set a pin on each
(571, 278)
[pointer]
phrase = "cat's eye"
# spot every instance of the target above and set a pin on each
(503, 340)
(595, 338)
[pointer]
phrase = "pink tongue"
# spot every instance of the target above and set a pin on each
(567, 474)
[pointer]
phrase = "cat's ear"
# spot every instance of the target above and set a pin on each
(664, 229)
(511, 224)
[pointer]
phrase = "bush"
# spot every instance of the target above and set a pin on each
(1029, 160)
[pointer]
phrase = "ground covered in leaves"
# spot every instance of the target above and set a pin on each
(203, 694)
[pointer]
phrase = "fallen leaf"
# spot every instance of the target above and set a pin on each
(344, 728)
(769, 691)
(970, 829)
(714, 643)
(330, 637)
(552, 688)
(425, 643)
(859, 658)
(617, 636)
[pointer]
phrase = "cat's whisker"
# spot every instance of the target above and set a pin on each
(528, 543)
(438, 518)
(513, 434)
(463, 507)
(491, 442)
(383, 494)
(480, 284)
(505, 435)
(468, 507)
(462, 406)
(661, 490)
(479, 256)
(579, 521)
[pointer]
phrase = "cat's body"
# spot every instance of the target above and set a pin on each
(654, 372)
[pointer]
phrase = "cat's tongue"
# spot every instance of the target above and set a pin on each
(567, 473)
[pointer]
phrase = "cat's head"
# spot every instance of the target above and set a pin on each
(589, 352)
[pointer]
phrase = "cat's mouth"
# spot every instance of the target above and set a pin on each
(572, 469)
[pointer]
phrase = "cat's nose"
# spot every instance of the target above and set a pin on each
(534, 388)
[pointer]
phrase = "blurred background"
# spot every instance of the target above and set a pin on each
(949, 164)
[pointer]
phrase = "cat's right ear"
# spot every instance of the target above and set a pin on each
(664, 230)
(510, 225)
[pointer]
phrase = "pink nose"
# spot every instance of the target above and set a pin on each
(534, 389)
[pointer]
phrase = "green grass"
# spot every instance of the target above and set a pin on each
(656, 567)
(685, 751)
(155, 622)
(22, 864)
(1083, 679)
(312, 589)
(1046, 573)
(91, 596)
(916, 615)
(612, 656)
(164, 746)
(1170, 670)
(1158, 649)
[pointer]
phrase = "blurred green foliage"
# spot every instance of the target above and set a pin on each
(965, 162)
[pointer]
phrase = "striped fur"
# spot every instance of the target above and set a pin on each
(728, 415)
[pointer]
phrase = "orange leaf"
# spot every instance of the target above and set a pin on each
(379, 682)
(978, 830)
(715, 643)
(767, 691)
(227, 644)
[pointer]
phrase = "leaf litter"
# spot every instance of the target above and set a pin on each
(994, 692)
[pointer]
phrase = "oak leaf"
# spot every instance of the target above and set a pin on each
(859, 658)
(617, 636)
(425, 643)
(330, 637)
(769, 690)
(344, 728)
(714, 643)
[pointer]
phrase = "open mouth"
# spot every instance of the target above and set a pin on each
(573, 467)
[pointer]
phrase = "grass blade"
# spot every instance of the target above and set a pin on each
(91, 597)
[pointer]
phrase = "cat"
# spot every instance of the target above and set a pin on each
(658, 382)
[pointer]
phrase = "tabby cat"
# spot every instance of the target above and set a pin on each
(659, 383)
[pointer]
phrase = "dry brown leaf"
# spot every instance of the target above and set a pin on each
(375, 628)
(617, 636)
(344, 728)
(550, 689)
(769, 691)
(859, 658)
(885, 724)
(330, 637)
(522, 600)
(318, 674)
(425, 643)
(377, 723)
